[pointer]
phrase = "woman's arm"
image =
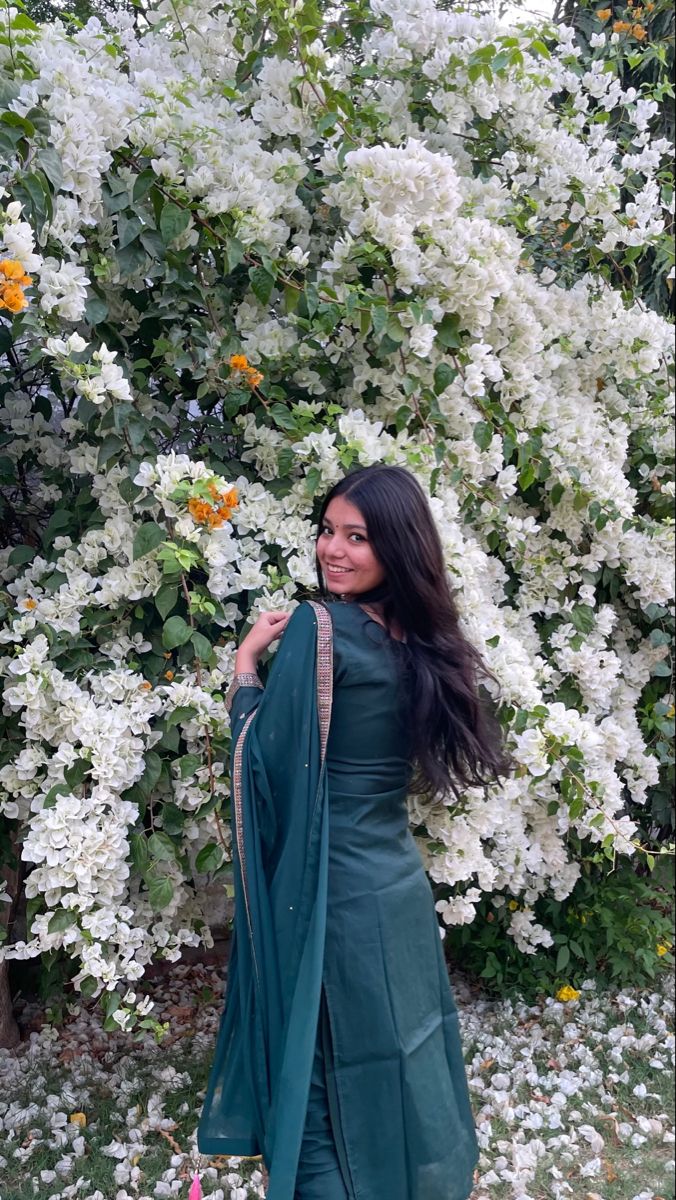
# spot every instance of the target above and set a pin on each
(245, 690)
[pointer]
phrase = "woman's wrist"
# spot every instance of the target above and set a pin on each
(246, 661)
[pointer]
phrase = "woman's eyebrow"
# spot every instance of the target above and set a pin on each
(338, 526)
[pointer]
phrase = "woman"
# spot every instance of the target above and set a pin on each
(339, 1056)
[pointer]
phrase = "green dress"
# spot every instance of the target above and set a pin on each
(338, 995)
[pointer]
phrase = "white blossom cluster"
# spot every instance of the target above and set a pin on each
(579, 373)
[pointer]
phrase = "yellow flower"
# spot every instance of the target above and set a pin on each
(567, 993)
(604, 13)
(662, 949)
(29, 603)
(78, 1118)
(512, 905)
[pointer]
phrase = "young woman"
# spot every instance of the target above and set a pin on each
(339, 1057)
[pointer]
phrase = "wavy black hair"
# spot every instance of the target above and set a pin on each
(457, 741)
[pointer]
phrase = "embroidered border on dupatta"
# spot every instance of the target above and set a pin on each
(324, 705)
(324, 672)
(239, 830)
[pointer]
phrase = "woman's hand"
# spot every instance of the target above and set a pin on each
(267, 629)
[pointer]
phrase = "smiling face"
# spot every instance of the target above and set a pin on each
(347, 560)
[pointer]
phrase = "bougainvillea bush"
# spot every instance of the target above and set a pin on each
(245, 247)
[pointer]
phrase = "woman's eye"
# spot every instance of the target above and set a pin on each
(360, 537)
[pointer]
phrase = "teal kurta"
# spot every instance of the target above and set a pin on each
(333, 908)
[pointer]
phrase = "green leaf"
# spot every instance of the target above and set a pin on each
(563, 958)
(448, 332)
(582, 617)
(173, 222)
(128, 229)
(161, 847)
(96, 310)
(177, 716)
(153, 769)
(262, 283)
(61, 920)
(50, 161)
(556, 493)
(75, 774)
(176, 632)
(188, 764)
(143, 184)
(209, 859)
(203, 647)
(59, 521)
(482, 434)
(234, 252)
(166, 599)
(110, 446)
(140, 855)
(148, 537)
(20, 555)
(444, 375)
(160, 892)
(59, 789)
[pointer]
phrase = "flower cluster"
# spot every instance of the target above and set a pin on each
(13, 281)
(245, 291)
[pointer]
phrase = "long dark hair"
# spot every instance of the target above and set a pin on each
(457, 742)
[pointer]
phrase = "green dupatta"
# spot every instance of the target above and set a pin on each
(258, 1088)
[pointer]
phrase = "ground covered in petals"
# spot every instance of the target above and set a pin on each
(571, 1100)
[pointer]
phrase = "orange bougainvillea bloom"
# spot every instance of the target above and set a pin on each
(214, 515)
(169, 675)
(240, 362)
(146, 687)
(604, 13)
(12, 297)
(13, 279)
(11, 268)
(621, 26)
(638, 32)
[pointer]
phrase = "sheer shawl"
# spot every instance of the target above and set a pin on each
(258, 1088)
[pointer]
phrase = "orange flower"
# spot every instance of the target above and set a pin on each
(12, 297)
(199, 510)
(567, 246)
(239, 362)
(146, 687)
(639, 32)
(253, 377)
(604, 13)
(30, 603)
(169, 675)
(230, 497)
(621, 26)
(11, 268)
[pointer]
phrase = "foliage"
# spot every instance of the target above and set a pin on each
(636, 40)
(615, 928)
(264, 246)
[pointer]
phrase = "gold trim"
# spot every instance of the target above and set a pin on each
(239, 827)
(324, 672)
(243, 679)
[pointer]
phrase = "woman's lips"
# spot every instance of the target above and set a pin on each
(338, 570)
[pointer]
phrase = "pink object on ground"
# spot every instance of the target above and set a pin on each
(195, 1192)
